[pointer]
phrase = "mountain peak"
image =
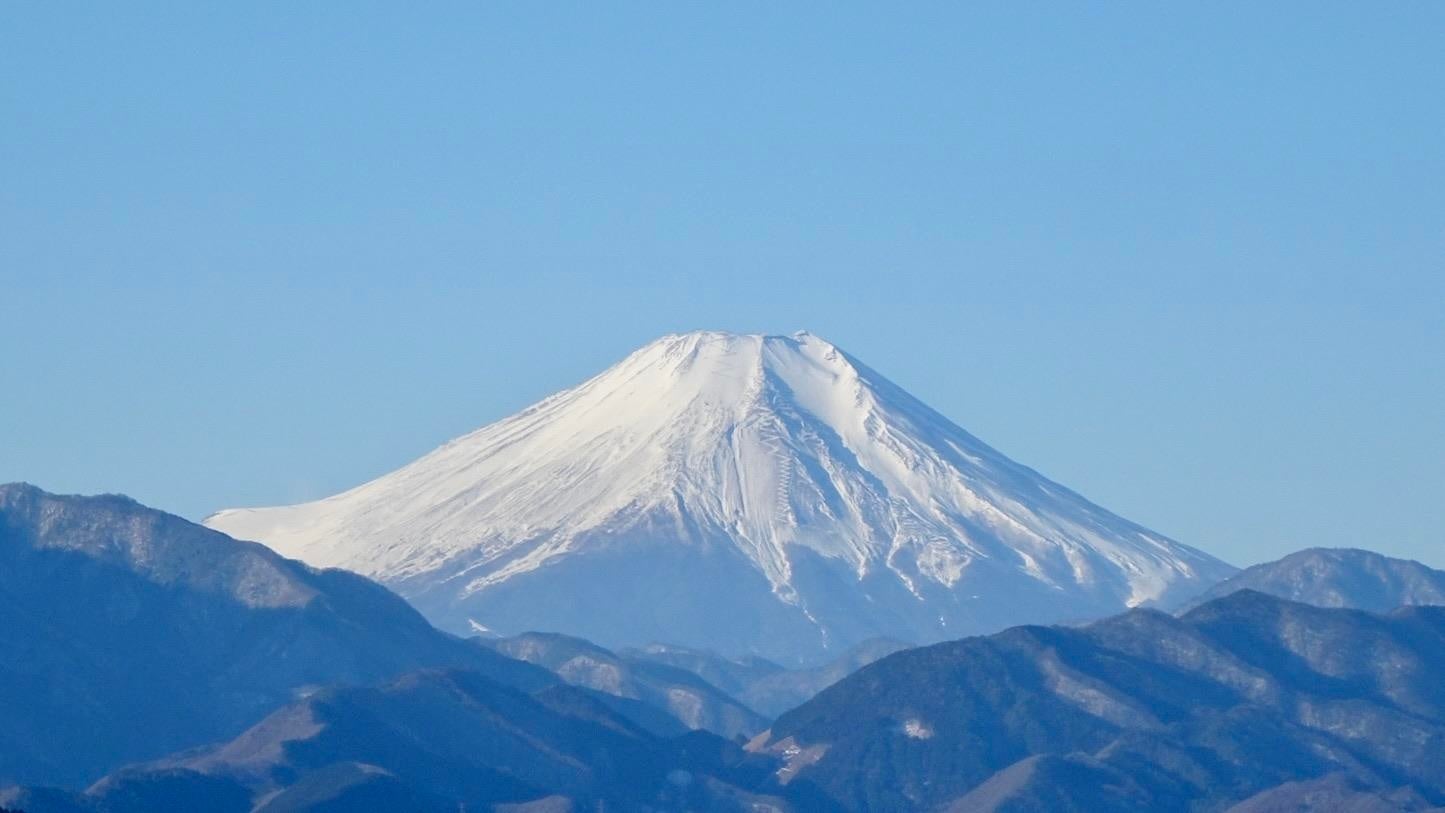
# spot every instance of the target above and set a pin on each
(724, 357)
(1339, 577)
(721, 344)
(773, 476)
(709, 370)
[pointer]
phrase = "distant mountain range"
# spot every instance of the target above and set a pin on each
(727, 541)
(434, 742)
(188, 671)
(762, 685)
(129, 633)
(1140, 712)
(697, 689)
(1338, 577)
(744, 494)
(687, 699)
(1250, 704)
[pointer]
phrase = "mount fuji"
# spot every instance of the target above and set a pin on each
(749, 494)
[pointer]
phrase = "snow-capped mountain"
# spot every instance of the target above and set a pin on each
(745, 493)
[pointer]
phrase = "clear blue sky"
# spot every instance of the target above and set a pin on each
(1188, 259)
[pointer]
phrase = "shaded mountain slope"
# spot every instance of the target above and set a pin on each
(1239, 696)
(1335, 793)
(434, 741)
(129, 633)
(762, 685)
(691, 701)
(1338, 577)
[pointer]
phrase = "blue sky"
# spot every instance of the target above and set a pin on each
(1188, 260)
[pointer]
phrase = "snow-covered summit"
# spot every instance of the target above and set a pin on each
(740, 492)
